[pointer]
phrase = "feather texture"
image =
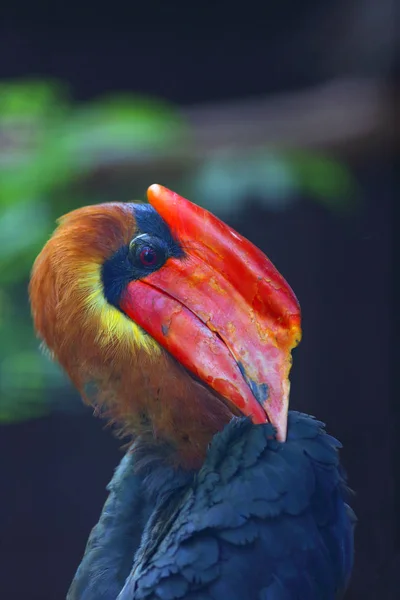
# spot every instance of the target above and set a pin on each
(260, 520)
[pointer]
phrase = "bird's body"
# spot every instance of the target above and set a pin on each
(180, 331)
(259, 521)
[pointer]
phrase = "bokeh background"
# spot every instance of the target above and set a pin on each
(282, 120)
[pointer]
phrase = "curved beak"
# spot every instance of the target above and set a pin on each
(223, 311)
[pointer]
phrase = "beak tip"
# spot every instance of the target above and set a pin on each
(162, 199)
(281, 433)
(153, 190)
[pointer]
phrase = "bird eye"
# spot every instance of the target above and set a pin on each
(147, 252)
(148, 257)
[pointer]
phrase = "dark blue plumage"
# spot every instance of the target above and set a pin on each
(261, 520)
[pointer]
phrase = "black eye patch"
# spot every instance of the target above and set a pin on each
(148, 251)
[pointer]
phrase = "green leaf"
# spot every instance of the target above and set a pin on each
(31, 99)
(326, 180)
(121, 127)
(226, 180)
(31, 159)
(25, 376)
(23, 230)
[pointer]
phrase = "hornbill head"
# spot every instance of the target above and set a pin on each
(167, 319)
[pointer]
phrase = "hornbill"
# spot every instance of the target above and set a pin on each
(179, 330)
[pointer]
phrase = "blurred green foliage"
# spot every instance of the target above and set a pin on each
(46, 146)
(276, 179)
(49, 148)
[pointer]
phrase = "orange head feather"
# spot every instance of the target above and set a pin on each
(116, 366)
(66, 276)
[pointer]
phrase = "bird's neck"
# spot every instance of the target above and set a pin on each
(174, 416)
